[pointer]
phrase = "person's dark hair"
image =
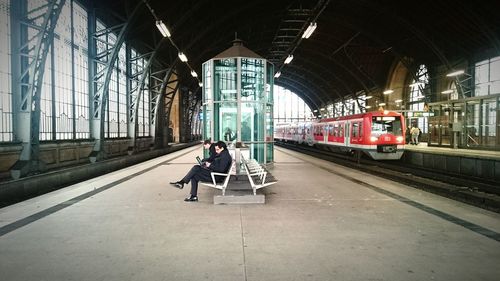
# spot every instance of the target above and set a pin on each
(207, 141)
(221, 144)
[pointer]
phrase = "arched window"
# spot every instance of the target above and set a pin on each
(416, 96)
(288, 107)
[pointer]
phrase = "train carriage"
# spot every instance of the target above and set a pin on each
(378, 134)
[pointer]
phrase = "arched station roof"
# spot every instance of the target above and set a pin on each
(354, 47)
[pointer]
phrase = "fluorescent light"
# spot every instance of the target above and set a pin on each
(229, 91)
(447, 92)
(368, 97)
(162, 28)
(322, 108)
(289, 59)
(278, 74)
(200, 84)
(194, 74)
(387, 92)
(416, 84)
(381, 104)
(455, 73)
(183, 57)
(398, 100)
(310, 29)
(368, 106)
(315, 110)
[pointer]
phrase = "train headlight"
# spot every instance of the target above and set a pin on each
(373, 139)
(399, 139)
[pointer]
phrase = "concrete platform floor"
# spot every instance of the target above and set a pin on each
(320, 222)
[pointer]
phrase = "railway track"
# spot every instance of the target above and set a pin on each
(473, 191)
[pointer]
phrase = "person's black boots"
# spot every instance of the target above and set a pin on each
(191, 198)
(178, 184)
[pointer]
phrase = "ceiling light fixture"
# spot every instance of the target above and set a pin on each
(455, 73)
(388, 92)
(310, 29)
(289, 59)
(194, 74)
(447, 92)
(416, 84)
(162, 28)
(278, 74)
(183, 57)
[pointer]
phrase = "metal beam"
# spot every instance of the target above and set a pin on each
(138, 75)
(104, 60)
(35, 28)
(164, 86)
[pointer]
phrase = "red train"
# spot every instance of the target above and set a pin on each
(379, 134)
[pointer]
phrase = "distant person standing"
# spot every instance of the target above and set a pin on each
(228, 135)
(246, 134)
(408, 134)
(415, 132)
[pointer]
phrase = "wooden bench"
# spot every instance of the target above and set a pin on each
(222, 185)
(258, 176)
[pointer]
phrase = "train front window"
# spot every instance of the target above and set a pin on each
(386, 125)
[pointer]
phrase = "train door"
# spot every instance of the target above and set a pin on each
(347, 134)
(325, 131)
(308, 134)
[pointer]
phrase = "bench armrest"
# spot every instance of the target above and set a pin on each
(219, 174)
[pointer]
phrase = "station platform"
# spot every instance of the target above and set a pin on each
(473, 163)
(472, 153)
(320, 221)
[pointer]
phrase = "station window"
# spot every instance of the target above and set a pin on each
(288, 107)
(416, 96)
(64, 105)
(6, 133)
(487, 77)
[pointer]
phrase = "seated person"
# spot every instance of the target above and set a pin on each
(208, 144)
(221, 164)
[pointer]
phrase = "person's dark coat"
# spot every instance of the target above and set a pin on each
(408, 135)
(222, 162)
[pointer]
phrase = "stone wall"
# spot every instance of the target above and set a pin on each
(62, 154)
